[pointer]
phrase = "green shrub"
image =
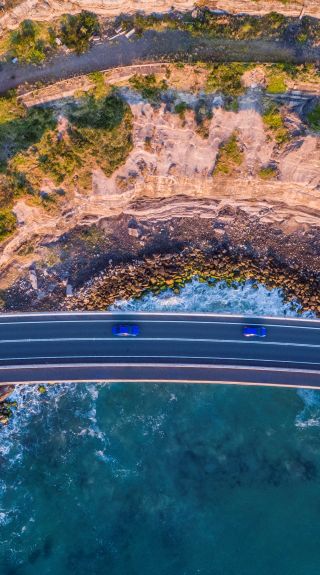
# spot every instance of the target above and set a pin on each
(148, 86)
(229, 157)
(226, 78)
(8, 223)
(26, 44)
(313, 118)
(267, 173)
(21, 132)
(274, 121)
(181, 109)
(77, 30)
(104, 113)
(10, 108)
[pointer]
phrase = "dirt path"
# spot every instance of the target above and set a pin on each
(169, 45)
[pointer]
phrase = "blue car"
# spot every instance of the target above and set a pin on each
(125, 330)
(254, 331)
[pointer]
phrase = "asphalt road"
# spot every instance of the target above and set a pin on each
(169, 45)
(171, 347)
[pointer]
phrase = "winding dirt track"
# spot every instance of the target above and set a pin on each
(169, 45)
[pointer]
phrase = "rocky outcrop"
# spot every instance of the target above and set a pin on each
(50, 9)
(162, 271)
(6, 406)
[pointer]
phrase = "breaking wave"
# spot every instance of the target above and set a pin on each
(247, 298)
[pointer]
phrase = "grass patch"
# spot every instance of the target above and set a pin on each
(276, 80)
(229, 157)
(8, 223)
(10, 108)
(100, 87)
(267, 173)
(273, 120)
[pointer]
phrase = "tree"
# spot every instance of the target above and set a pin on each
(77, 30)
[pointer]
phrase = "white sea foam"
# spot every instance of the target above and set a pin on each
(4, 518)
(309, 416)
(30, 404)
(247, 298)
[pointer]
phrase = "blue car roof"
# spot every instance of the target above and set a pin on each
(126, 328)
(254, 329)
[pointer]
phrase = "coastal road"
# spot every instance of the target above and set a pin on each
(176, 347)
(169, 45)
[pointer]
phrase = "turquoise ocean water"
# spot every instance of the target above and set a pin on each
(163, 479)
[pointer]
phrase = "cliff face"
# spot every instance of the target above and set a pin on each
(49, 9)
(172, 173)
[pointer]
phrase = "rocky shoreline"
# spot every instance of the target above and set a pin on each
(5, 405)
(159, 272)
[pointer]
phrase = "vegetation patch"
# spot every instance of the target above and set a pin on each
(313, 118)
(273, 120)
(43, 160)
(101, 89)
(93, 112)
(31, 42)
(276, 80)
(22, 130)
(149, 87)
(77, 30)
(238, 27)
(230, 156)
(181, 109)
(10, 108)
(8, 223)
(226, 78)
(98, 135)
(268, 173)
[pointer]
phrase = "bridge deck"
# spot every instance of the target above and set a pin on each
(171, 347)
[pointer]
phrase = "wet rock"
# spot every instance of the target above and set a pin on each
(5, 392)
(33, 279)
(134, 232)
(69, 290)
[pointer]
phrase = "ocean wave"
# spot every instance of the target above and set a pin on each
(248, 298)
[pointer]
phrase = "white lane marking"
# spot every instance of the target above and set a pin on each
(206, 357)
(181, 339)
(84, 321)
